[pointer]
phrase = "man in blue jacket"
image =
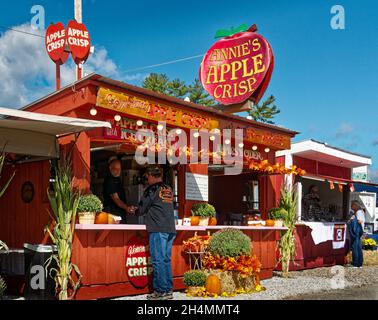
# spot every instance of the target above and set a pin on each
(157, 207)
(356, 232)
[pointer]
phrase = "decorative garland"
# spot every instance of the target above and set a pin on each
(277, 168)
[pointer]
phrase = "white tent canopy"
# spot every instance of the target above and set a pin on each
(37, 134)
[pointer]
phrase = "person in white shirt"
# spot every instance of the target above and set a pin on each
(356, 230)
(360, 215)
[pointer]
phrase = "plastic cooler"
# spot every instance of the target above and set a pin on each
(39, 285)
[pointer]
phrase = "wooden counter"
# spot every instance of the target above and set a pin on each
(99, 251)
(311, 255)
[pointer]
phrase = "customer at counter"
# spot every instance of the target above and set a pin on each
(113, 192)
(157, 207)
(356, 228)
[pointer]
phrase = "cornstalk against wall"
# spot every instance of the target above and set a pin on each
(3, 285)
(64, 202)
(288, 201)
(3, 246)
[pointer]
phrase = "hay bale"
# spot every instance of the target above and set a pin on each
(370, 257)
(232, 280)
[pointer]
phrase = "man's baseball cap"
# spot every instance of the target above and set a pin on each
(154, 170)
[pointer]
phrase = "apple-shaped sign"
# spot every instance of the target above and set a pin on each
(55, 42)
(78, 41)
(138, 262)
(237, 66)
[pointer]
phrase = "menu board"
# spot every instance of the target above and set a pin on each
(196, 187)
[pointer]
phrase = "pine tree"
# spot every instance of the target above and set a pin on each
(177, 88)
(197, 94)
(156, 82)
(266, 111)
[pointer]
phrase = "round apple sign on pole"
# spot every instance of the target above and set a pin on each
(79, 42)
(55, 43)
(238, 67)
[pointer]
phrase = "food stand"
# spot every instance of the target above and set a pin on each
(321, 237)
(101, 251)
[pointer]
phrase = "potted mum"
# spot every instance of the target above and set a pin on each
(278, 215)
(195, 280)
(230, 264)
(88, 206)
(204, 211)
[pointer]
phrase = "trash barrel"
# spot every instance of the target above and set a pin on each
(39, 285)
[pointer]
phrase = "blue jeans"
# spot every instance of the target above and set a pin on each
(161, 249)
(357, 256)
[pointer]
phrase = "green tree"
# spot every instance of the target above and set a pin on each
(265, 111)
(177, 88)
(156, 82)
(197, 94)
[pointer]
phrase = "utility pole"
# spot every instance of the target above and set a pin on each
(78, 11)
(79, 18)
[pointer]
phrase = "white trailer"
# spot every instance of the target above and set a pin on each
(369, 201)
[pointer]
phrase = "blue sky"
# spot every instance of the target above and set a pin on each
(325, 81)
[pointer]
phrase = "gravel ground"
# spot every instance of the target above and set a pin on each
(320, 283)
(320, 280)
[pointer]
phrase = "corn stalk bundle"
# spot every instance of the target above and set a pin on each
(288, 201)
(3, 285)
(64, 202)
(3, 246)
(2, 161)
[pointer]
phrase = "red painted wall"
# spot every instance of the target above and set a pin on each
(320, 168)
(24, 222)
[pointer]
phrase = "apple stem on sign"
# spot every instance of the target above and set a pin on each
(253, 28)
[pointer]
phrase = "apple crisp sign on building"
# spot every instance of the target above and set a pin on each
(138, 262)
(237, 67)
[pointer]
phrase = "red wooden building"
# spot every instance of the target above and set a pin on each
(321, 237)
(99, 250)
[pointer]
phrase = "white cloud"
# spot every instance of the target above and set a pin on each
(344, 130)
(137, 77)
(27, 73)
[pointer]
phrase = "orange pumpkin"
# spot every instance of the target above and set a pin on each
(101, 218)
(269, 223)
(212, 221)
(194, 220)
(213, 284)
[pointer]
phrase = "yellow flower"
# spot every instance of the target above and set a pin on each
(258, 288)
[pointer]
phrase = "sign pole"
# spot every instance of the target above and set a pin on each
(57, 71)
(79, 18)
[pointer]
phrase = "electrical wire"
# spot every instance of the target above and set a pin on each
(24, 32)
(164, 63)
(126, 71)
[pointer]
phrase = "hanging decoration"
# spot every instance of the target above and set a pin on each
(331, 185)
(278, 168)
